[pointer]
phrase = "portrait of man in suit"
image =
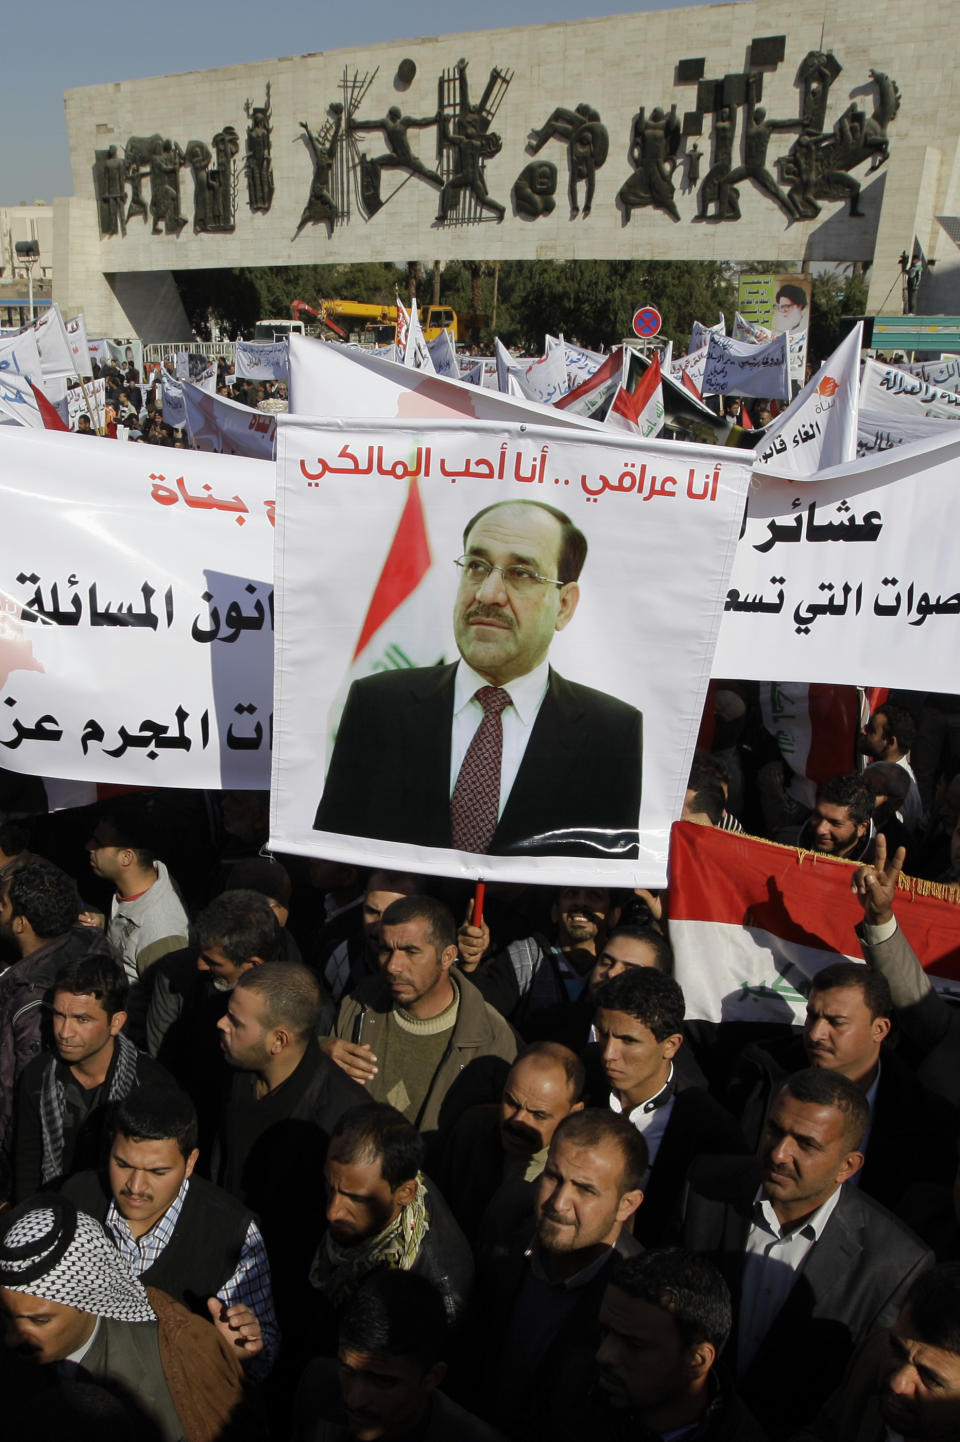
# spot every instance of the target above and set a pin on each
(495, 753)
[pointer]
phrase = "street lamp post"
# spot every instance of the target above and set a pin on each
(28, 253)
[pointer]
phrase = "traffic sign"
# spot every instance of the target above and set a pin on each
(646, 321)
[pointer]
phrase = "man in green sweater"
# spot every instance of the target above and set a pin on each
(432, 1044)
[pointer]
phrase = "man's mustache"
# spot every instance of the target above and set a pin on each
(492, 613)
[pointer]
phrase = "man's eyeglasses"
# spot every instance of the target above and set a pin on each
(521, 580)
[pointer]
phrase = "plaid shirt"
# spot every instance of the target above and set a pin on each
(249, 1286)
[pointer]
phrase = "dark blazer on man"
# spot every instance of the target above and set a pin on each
(852, 1282)
(577, 791)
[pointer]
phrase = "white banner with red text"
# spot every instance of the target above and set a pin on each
(370, 605)
(136, 629)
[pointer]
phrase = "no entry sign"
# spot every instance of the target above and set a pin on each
(646, 321)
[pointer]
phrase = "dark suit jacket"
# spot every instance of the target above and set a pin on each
(853, 1282)
(577, 791)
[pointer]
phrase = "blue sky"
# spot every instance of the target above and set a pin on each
(62, 44)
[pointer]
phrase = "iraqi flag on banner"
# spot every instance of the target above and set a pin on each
(752, 922)
(642, 412)
(596, 392)
(406, 601)
(819, 428)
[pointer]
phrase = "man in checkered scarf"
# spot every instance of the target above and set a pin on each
(67, 1297)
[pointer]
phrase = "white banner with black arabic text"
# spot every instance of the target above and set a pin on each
(136, 613)
(859, 585)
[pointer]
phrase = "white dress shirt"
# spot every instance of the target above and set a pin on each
(526, 695)
(774, 1258)
(651, 1119)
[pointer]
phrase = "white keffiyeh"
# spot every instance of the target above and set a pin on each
(48, 1249)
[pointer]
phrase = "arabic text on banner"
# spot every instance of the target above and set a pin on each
(859, 584)
(136, 613)
(642, 634)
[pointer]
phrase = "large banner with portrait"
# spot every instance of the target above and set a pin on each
(858, 584)
(493, 643)
(136, 613)
(780, 304)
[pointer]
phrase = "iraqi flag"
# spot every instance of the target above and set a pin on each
(597, 391)
(403, 327)
(405, 621)
(752, 922)
(642, 412)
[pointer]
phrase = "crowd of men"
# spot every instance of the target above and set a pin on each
(289, 1150)
(132, 402)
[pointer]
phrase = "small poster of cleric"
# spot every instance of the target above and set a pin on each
(493, 643)
(779, 304)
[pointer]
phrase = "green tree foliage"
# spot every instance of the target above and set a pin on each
(237, 299)
(833, 296)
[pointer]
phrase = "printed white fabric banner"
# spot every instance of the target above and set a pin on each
(738, 368)
(700, 334)
(136, 613)
(218, 424)
(944, 372)
(443, 354)
(859, 584)
(692, 366)
(18, 403)
(174, 409)
(819, 428)
(53, 343)
(631, 644)
(19, 356)
(327, 379)
(891, 391)
(878, 432)
(77, 403)
(749, 330)
(268, 362)
(79, 346)
(116, 353)
(416, 356)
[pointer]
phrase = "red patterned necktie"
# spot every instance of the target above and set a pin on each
(476, 796)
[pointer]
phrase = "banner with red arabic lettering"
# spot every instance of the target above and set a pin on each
(136, 612)
(382, 640)
(857, 585)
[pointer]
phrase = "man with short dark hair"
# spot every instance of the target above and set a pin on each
(495, 753)
(534, 979)
(639, 1026)
(813, 1265)
(147, 917)
(664, 1321)
(176, 1231)
(845, 1030)
(904, 1382)
(63, 1100)
(889, 736)
(841, 822)
(285, 1100)
(437, 1045)
(394, 1340)
(493, 1157)
(39, 909)
(383, 1212)
(542, 1298)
